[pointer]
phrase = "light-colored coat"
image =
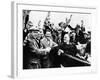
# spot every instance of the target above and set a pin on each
(45, 43)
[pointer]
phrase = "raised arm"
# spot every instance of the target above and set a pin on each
(82, 23)
(70, 19)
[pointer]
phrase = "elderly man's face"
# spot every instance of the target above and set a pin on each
(35, 34)
(40, 34)
(66, 38)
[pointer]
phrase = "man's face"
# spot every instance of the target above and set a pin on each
(48, 35)
(66, 38)
(40, 34)
(35, 34)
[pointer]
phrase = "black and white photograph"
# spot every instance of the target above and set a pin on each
(52, 40)
(56, 39)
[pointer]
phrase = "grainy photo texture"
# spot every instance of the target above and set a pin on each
(54, 39)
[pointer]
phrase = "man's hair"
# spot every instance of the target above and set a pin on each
(47, 31)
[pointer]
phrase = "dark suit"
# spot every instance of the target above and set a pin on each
(31, 57)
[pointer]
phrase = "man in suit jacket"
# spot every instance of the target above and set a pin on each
(48, 43)
(33, 50)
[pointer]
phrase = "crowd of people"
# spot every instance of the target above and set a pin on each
(47, 47)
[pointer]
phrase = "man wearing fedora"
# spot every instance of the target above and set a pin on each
(31, 54)
(34, 50)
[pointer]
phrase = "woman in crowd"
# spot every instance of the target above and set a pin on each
(58, 54)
